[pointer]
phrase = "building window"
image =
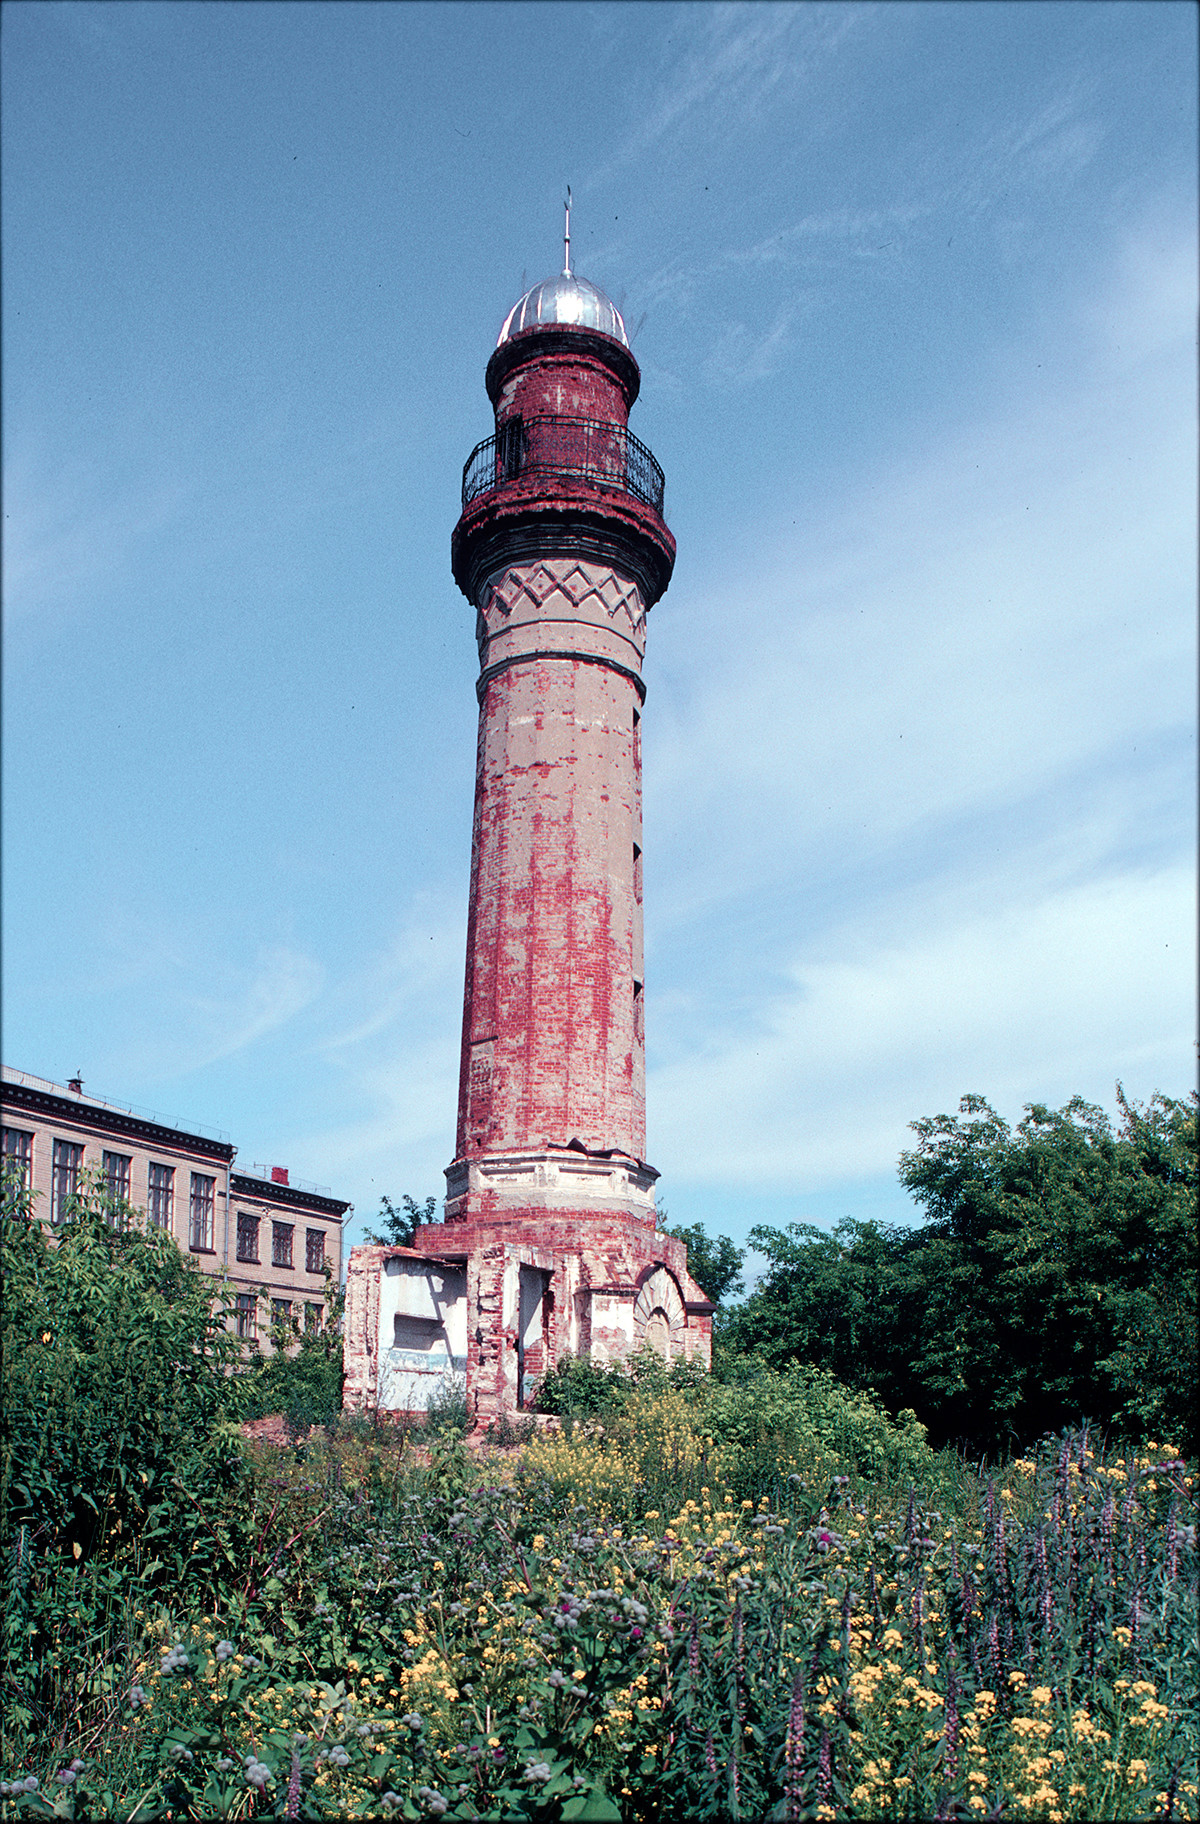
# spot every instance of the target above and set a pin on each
(281, 1244)
(244, 1316)
(281, 1311)
(160, 1196)
(66, 1165)
(200, 1225)
(247, 1241)
(18, 1156)
(314, 1252)
(117, 1169)
(312, 1317)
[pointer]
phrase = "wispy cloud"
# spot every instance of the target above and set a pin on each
(998, 611)
(192, 1008)
(389, 1048)
(1016, 1002)
(70, 536)
(728, 62)
(742, 355)
(962, 704)
(422, 965)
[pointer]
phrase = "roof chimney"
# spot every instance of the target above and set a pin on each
(75, 1083)
(279, 1174)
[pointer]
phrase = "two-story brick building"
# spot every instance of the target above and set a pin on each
(273, 1238)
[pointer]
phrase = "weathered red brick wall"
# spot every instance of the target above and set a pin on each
(552, 1046)
(562, 386)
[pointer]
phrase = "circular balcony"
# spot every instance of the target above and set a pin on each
(581, 449)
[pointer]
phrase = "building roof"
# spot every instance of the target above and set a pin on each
(55, 1101)
(567, 299)
(286, 1196)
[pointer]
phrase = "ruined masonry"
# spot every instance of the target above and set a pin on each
(549, 1241)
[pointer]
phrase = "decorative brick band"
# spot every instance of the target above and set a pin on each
(582, 658)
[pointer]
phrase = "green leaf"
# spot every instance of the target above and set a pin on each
(591, 1808)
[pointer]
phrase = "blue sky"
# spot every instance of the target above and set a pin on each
(913, 291)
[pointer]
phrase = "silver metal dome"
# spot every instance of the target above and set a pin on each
(564, 299)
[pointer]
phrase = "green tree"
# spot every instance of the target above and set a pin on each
(713, 1262)
(400, 1226)
(1053, 1278)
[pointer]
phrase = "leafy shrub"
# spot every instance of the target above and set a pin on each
(581, 1388)
(777, 1418)
(302, 1382)
(115, 1360)
(427, 1640)
(576, 1387)
(116, 1460)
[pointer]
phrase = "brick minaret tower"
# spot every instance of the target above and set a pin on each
(561, 551)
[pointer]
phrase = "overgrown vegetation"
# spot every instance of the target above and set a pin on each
(759, 1594)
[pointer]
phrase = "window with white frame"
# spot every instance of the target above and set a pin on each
(160, 1195)
(203, 1204)
(314, 1250)
(18, 1156)
(65, 1166)
(281, 1244)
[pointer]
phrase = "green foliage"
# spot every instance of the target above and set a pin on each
(400, 1226)
(302, 1378)
(448, 1414)
(115, 1374)
(804, 1415)
(116, 1459)
(579, 1388)
(1054, 1279)
(713, 1262)
(413, 1636)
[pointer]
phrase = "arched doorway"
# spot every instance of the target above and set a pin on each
(657, 1333)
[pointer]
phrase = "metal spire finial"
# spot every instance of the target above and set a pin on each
(567, 238)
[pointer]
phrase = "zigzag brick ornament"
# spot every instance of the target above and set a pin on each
(549, 1242)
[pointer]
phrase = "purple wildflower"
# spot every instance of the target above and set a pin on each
(794, 1750)
(824, 1768)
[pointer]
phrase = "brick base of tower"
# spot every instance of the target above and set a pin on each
(542, 1280)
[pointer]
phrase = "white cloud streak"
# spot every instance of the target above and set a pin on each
(960, 704)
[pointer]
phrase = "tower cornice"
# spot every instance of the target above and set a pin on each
(521, 522)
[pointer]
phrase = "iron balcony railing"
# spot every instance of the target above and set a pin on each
(607, 455)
